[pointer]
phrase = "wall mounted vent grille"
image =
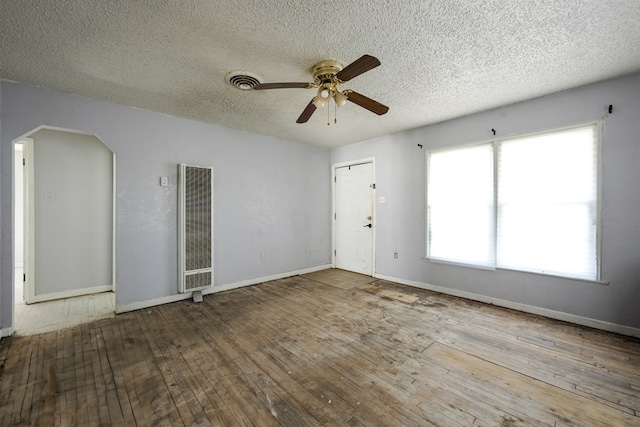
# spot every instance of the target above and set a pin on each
(195, 228)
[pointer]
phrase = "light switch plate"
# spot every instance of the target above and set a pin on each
(381, 200)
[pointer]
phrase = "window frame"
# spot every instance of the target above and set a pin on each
(494, 142)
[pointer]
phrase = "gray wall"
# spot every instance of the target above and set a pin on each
(400, 168)
(269, 194)
(73, 206)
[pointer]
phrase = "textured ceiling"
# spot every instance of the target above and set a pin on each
(440, 59)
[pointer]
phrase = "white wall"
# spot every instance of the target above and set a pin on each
(73, 199)
(400, 168)
(269, 194)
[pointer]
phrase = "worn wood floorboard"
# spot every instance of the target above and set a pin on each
(328, 348)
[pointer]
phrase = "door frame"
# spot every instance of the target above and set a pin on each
(29, 218)
(334, 167)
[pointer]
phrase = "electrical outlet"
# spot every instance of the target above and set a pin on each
(381, 200)
(307, 249)
(263, 255)
(164, 181)
(395, 255)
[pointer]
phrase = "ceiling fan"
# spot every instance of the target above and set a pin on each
(327, 75)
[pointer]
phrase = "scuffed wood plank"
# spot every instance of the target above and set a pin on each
(388, 293)
(537, 400)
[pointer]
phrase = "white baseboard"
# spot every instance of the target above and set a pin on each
(70, 294)
(6, 332)
(558, 315)
(215, 288)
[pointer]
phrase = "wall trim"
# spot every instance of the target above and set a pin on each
(71, 293)
(6, 332)
(229, 286)
(558, 315)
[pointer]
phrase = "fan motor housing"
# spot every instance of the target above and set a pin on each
(325, 71)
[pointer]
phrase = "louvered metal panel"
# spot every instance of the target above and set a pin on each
(195, 238)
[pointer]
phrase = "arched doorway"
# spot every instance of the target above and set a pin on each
(68, 229)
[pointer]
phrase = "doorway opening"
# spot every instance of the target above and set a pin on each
(64, 228)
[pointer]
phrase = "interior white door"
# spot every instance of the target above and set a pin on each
(353, 220)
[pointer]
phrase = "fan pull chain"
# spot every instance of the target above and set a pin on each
(335, 113)
(329, 113)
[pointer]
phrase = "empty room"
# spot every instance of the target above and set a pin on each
(307, 213)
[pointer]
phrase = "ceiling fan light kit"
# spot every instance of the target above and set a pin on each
(324, 93)
(340, 98)
(318, 102)
(327, 75)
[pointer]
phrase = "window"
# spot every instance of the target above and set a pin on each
(461, 206)
(527, 203)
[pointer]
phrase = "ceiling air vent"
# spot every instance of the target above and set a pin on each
(242, 80)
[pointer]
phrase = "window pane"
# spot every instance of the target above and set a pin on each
(547, 187)
(460, 206)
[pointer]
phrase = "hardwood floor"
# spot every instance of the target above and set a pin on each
(303, 352)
